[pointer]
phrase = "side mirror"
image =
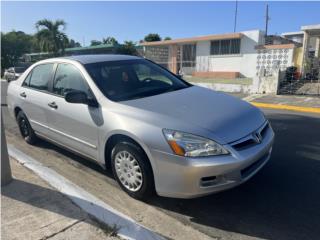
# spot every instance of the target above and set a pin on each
(76, 96)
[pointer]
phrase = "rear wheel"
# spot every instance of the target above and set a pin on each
(132, 170)
(25, 128)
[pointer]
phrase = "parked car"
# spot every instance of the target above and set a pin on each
(13, 73)
(156, 131)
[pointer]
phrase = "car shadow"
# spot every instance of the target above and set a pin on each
(81, 162)
(41, 197)
(53, 201)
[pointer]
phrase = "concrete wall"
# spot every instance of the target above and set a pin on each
(271, 58)
(244, 63)
(231, 88)
(267, 84)
(220, 74)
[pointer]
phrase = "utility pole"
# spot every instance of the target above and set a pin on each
(267, 20)
(235, 17)
(6, 175)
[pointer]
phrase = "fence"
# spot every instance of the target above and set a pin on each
(305, 83)
(181, 59)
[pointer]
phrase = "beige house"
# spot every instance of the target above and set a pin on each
(308, 56)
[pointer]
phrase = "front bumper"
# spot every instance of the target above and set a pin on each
(183, 177)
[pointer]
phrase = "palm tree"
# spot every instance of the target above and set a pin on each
(110, 40)
(129, 48)
(50, 36)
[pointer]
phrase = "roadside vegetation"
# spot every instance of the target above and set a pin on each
(50, 37)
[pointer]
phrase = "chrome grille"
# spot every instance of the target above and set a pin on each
(253, 138)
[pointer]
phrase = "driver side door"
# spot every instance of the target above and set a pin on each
(73, 125)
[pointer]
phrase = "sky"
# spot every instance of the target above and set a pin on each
(133, 20)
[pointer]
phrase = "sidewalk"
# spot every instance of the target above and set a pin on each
(31, 209)
(301, 101)
(285, 102)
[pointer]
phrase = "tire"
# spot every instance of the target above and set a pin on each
(139, 166)
(25, 128)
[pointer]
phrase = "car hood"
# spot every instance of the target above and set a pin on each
(226, 117)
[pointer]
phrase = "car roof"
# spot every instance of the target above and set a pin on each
(94, 58)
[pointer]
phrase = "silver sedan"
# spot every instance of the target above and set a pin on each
(157, 132)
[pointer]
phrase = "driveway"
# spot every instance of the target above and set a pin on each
(280, 202)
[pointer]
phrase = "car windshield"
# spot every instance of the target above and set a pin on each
(133, 79)
(19, 69)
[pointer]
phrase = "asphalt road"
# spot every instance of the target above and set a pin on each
(281, 202)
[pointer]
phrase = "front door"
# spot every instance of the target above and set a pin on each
(73, 125)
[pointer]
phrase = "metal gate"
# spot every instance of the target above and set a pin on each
(180, 59)
(308, 83)
(186, 59)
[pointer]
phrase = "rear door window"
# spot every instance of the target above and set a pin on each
(40, 77)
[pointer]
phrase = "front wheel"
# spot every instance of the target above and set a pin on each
(132, 170)
(25, 128)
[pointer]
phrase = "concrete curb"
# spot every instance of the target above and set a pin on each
(280, 106)
(127, 227)
(287, 107)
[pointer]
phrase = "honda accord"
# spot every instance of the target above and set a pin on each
(157, 132)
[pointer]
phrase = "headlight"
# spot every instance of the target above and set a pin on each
(189, 145)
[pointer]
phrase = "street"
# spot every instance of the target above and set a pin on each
(280, 202)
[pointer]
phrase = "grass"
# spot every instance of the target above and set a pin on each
(241, 81)
(109, 231)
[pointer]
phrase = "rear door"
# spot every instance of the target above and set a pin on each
(73, 125)
(34, 92)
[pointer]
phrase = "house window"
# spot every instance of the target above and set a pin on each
(224, 47)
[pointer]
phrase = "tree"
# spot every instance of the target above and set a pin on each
(110, 40)
(129, 48)
(13, 45)
(152, 37)
(167, 38)
(95, 43)
(51, 37)
(72, 44)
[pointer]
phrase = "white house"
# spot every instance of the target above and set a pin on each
(230, 55)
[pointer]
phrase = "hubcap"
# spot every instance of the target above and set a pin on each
(24, 128)
(128, 171)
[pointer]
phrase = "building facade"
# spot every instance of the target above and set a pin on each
(231, 55)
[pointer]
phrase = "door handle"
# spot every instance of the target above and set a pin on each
(53, 105)
(23, 94)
